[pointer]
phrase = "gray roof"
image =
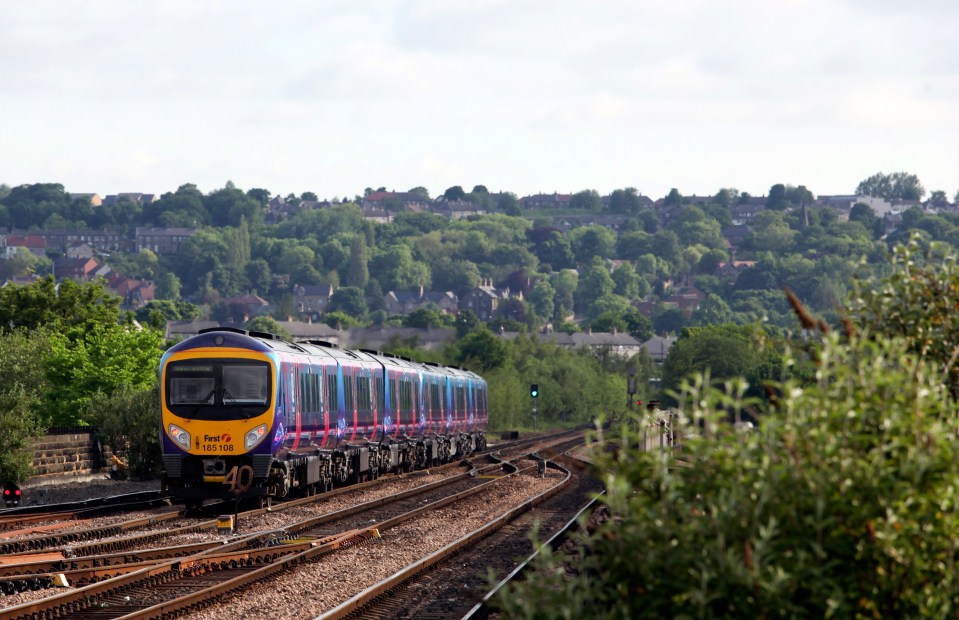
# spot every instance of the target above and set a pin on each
(597, 339)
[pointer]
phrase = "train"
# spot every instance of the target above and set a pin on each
(246, 414)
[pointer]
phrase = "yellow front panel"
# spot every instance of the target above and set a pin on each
(216, 437)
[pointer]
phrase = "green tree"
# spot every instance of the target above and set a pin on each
(267, 325)
(586, 200)
(777, 197)
(349, 300)
(915, 302)
(673, 198)
(454, 193)
(341, 320)
(594, 282)
(625, 201)
(258, 275)
(669, 321)
(638, 325)
(556, 251)
(592, 241)
(20, 392)
(167, 311)
(59, 306)
(357, 273)
(895, 186)
(723, 352)
(541, 299)
(100, 358)
(20, 429)
(424, 318)
(772, 233)
(466, 322)
(169, 286)
(712, 311)
(481, 349)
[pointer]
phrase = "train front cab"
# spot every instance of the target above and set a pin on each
(218, 391)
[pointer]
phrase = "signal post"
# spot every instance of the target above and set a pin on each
(534, 394)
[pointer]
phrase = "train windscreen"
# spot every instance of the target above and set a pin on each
(217, 390)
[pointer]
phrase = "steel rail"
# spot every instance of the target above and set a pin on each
(383, 587)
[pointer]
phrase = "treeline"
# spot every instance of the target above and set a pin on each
(588, 271)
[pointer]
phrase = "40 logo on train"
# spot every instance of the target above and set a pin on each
(246, 414)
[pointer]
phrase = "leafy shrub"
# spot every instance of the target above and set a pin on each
(842, 504)
(129, 421)
(20, 428)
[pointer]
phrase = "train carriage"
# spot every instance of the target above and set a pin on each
(246, 414)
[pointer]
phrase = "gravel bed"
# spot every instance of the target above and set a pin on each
(337, 577)
(269, 521)
(83, 523)
(76, 491)
(62, 489)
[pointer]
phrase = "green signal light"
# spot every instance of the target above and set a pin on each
(534, 390)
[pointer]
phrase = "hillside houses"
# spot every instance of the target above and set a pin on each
(546, 201)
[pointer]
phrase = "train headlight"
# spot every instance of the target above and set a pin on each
(255, 436)
(180, 436)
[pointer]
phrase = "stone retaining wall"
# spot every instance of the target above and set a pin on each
(69, 454)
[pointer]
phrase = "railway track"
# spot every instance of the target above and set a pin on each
(453, 580)
(251, 557)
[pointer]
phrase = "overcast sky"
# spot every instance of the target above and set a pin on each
(524, 96)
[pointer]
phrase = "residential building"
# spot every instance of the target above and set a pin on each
(658, 347)
(619, 344)
(395, 202)
(33, 243)
(79, 269)
(381, 338)
(312, 299)
(250, 305)
(546, 201)
(162, 240)
(95, 199)
(483, 300)
(99, 240)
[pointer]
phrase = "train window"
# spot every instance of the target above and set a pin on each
(363, 393)
(192, 390)
(380, 395)
(332, 397)
(245, 384)
(217, 389)
(191, 384)
(348, 391)
(317, 393)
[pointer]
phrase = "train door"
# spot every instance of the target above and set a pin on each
(379, 409)
(391, 420)
(349, 401)
(364, 403)
(420, 377)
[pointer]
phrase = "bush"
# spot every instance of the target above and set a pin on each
(842, 504)
(129, 421)
(20, 429)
